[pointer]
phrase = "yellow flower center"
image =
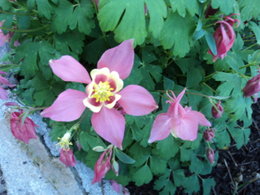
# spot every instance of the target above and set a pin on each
(102, 91)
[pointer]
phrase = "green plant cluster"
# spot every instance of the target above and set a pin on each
(172, 39)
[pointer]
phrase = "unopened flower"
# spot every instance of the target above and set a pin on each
(224, 37)
(180, 122)
(211, 155)
(103, 92)
(209, 134)
(103, 165)
(119, 188)
(23, 131)
(67, 157)
(217, 110)
(252, 86)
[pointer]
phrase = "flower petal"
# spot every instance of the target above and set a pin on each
(69, 69)
(67, 107)
(110, 125)
(201, 118)
(136, 100)
(161, 128)
(185, 128)
(119, 59)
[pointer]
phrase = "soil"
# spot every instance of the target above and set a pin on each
(237, 171)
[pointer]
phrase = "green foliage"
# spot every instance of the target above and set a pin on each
(131, 15)
(172, 39)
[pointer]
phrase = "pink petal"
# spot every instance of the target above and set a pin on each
(110, 125)
(185, 128)
(67, 157)
(69, 69)
(4, 81)
(161, 128)
(119, 59)
(201, 118)
(3, 94)
(137, 101)
(67, 107)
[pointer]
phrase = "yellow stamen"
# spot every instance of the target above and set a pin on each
(102, 91)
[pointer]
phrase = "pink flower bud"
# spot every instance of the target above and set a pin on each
(67, 157)
(22, 131)
(224, 37)
(209, 134)
(3, 94)
(252, 86)
(103, 165)
(11, 104)
(217, 110)
(211, 155)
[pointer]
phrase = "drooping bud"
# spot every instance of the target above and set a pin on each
(211, 155)
(23, 131)
(103, 165)
(67, 157)
(217, 110)
(209, 134)
(252, 86)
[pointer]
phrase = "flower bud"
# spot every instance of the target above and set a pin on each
(65, 140)
(67, 157)
(217, 110)
(211, 155)
(252, 86)
(22, 130)
(103, 165)
(209, 134)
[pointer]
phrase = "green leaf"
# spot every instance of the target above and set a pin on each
(69, 43)
(250, 9)
(129, 20)
(142, 175)
(158, 165)
(74, 16)
(240, 135)
(124, 157)
(208, 184)
(232, 84)
(222, 139)
(140, 154)
(226, 7)
(177, 34)
(183, 6)
(167, 148)
(211, 43)
(192, 184)
(185, 154)
(43, 6)
(256, 29)
(5, 4)
(82, 17)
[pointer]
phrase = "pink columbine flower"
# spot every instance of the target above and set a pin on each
(103, 165)
(209, 134)
(67, 157)
(224, 37)
(180, 122)
(217, 110)
(252, 86)
(22, 131)
(104, 93)
(211, 155)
